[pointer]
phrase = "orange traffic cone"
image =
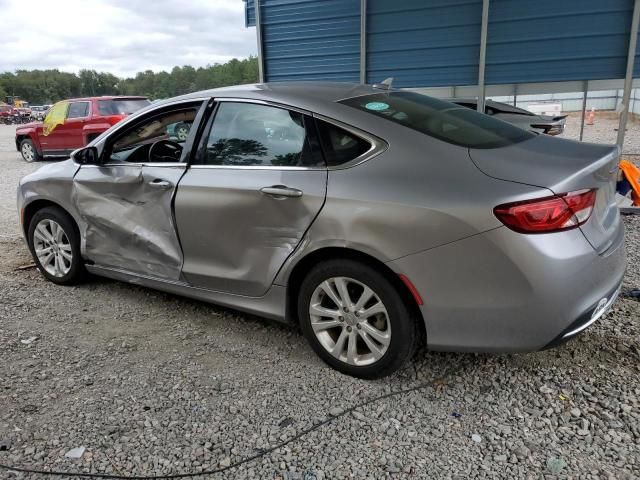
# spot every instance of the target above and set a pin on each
(591, 117)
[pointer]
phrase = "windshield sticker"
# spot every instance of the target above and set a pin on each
(377, 106)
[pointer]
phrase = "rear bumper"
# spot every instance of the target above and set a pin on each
(587, 319)
(506, 292)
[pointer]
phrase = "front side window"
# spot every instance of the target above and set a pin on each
(246, 134)
(78, 110)
(159, 138)
(440, 119)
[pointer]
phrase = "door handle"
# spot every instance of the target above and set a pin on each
(160, 183)
(281, 191)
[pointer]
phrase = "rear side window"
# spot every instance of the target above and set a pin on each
(246, 134)
(121, 106)
(338, 145)
(443, 120)
(78, 110)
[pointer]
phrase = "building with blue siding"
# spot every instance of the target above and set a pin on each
(437, 42)
(470, 47)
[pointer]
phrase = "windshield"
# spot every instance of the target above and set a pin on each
(443, 120)
(121, 106)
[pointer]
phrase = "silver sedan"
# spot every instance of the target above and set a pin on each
(375, 219)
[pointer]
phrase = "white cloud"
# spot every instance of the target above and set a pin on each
(122, 36)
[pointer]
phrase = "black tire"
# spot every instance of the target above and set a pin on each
(76, 273)
(25, 145)
(404, 336)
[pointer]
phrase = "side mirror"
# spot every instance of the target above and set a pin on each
(86, 156)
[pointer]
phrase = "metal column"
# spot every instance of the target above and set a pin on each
(483, 54)
(585, 89)
(628, 79)
(256, 5)
(363, 41)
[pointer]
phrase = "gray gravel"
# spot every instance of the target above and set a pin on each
(146, 383)
(604, 130)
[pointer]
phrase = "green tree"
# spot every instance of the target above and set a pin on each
(50, 86)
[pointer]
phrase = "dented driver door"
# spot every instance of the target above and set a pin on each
(128, 220)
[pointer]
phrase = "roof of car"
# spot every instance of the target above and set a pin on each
(105, 97)
(303, 94)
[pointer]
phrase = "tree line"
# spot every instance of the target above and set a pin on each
(49, 86)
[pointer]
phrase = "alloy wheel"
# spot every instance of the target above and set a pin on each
(350, 321)
(27, 152)
(182, 133)
(52, 248)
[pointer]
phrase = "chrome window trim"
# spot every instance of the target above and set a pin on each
(263, 102)
(253, 167)
(140, 164)
(378, 145)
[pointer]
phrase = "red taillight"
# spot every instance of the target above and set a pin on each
(549, 214)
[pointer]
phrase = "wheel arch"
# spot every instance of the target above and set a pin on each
(30, 209)
(306, 263)
(20, 137)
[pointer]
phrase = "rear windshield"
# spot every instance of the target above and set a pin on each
(121, 106)
(443, 120)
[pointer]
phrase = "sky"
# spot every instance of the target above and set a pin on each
(122, 36)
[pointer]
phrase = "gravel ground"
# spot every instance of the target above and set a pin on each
(149, 383)
(604, 130)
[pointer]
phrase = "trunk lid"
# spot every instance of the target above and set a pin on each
(562, 166)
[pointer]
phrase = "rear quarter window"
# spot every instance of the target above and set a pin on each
(439, 119)
(338, 145)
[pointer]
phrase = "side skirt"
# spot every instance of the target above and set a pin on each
(56, 153)
(271, 305)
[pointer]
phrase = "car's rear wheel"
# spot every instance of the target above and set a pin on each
(29, 152)
(55, 246)
(355, 319)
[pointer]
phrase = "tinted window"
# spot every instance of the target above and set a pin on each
(443, 120)
(338, 145)
(251, 134)
(78, 110)
(121, 106)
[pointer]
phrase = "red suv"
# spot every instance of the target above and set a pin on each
(77, 122)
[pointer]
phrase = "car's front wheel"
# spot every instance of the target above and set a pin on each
(28, 151)
(355, 319)
(55, 246)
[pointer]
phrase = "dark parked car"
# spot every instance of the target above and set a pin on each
(375, 219)
(551, 125)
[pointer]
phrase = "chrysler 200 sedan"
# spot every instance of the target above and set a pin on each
(375, 219)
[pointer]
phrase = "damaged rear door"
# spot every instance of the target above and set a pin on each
(255, 186)
(126, 202)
